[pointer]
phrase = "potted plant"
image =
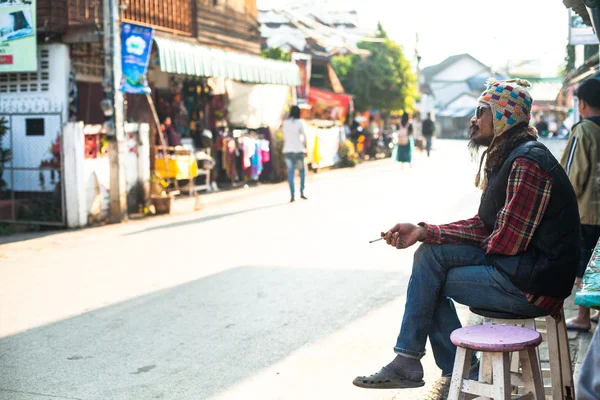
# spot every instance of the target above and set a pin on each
(161, 199)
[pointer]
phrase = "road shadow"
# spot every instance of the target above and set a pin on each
(195, 340)
(23, 237)
(204, 219)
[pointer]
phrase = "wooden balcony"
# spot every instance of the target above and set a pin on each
(173, 16)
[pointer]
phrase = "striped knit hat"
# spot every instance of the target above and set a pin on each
(510, 102)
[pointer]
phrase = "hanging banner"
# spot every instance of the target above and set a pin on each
(303, 61)
(18, 39)
(136, 44)
(328, 105)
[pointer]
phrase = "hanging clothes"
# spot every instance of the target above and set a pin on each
(256, 162)
(265, 151)
(316, 151)
(231, 155)
(248, 150)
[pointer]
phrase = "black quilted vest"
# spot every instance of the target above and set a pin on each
(549, 264)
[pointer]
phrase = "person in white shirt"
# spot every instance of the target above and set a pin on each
(295, 150)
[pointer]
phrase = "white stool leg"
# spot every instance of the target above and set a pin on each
(501, 376)
(565, 358)
(532, 374)
(556, 376)
(485, 370)
(462, 366)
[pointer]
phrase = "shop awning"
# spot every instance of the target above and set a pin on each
(180, 57)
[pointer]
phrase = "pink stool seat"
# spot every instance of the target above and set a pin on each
(496, 338)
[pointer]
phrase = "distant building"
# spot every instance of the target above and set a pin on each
(317, 32)
(312, 30)
(451, 89)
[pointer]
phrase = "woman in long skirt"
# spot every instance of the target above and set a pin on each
(406, 141)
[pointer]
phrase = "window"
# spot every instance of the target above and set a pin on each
(28, 82)
(34, 127)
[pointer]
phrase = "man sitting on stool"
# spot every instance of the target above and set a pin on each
(518, 255)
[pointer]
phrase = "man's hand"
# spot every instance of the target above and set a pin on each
(402, 236)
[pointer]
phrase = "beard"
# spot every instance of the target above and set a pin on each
(474, 150)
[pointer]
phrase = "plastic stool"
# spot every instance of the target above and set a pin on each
(495, 342)
(554, 333)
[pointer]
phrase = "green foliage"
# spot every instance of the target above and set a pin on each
(348, 155)
(569, 60)
(275, 53)
(277, 159)
(382, 80)
(588, 52)
(5, 154)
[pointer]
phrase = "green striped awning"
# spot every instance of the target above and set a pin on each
(179, 57)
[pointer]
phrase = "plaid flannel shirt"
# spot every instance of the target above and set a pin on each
(527, 197)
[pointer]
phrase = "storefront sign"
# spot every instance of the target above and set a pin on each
(136, 44)
(579, 32)
(327, 105)
(303, 61)
(18, 40)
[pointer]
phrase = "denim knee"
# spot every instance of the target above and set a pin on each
(424, 250)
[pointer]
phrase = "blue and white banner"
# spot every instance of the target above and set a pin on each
(136, 45)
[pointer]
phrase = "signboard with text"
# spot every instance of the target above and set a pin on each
(18, 39)
(579, 32)
(136, 45)
(328, 105)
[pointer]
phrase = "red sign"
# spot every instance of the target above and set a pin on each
(328, 105)
(6, 59)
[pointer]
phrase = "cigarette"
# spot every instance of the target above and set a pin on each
(376, 240)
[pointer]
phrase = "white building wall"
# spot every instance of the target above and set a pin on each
(33, 96)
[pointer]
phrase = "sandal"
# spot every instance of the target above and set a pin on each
(386, 379)
(439, 390)
(571, 327)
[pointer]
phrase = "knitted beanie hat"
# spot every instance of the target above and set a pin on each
(510, 102)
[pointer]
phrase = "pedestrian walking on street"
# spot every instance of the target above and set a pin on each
(428, 130)
(519, 253)
(406, 141)
(295, 150)
(581, 160)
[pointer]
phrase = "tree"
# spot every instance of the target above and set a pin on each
(589, 51)
(382, 80)
(275, 53)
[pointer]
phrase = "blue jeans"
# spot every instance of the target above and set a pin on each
(428, 141)
(293, 161)
(461, 273)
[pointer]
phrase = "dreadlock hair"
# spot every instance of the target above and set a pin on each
(500, 149)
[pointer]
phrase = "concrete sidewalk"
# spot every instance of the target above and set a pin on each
(578, 344)
(578, 341)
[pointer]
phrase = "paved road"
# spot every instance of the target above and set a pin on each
(255, 298)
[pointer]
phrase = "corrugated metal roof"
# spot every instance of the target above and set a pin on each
(545, 91)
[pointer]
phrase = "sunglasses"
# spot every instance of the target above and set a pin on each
(479, 111)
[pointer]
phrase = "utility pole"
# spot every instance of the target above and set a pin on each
(113, 110)
(423, 103)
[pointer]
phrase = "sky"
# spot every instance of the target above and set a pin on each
(492, 32)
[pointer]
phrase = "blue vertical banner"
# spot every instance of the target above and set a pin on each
(136, 45)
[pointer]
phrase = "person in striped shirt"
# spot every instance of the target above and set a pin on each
(517, 255)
